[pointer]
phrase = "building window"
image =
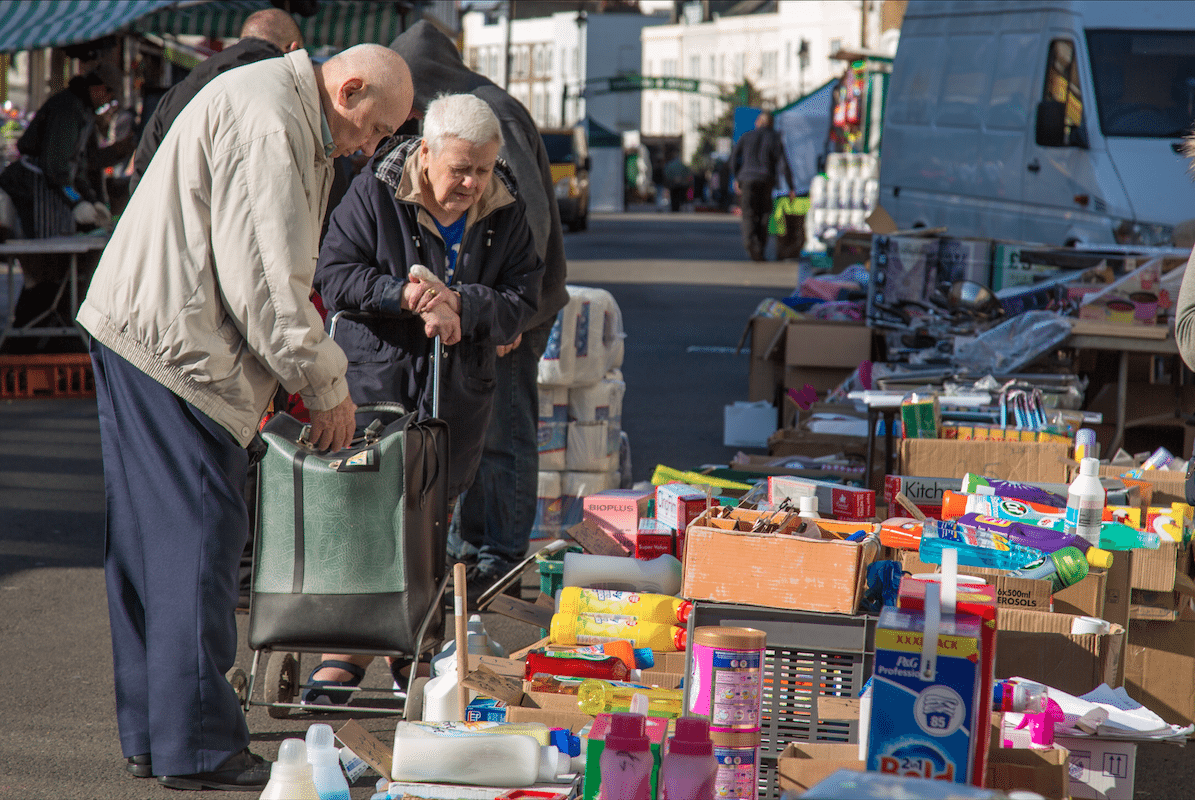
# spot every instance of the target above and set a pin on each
(695, 66)
(835, 46)
(769, 69)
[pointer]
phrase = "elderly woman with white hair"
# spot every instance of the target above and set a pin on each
(444, 201)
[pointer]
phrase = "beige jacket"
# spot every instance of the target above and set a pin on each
(205, 284)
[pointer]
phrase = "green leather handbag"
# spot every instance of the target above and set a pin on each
(350, 548)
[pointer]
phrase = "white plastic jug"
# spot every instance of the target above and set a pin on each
(479, 760)
(324, 759)
(290, 776)
(660, 575)
(480, 644)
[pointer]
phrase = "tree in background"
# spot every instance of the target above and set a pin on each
(745, 94)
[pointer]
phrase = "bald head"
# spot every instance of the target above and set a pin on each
(366, 94)
(275, 26)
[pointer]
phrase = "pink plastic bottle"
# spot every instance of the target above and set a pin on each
(626, 760)
(689, 769)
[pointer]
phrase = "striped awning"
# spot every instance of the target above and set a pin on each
(28, 24)
(337, 23)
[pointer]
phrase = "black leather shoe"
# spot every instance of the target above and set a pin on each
(242, 772)
(140, 766)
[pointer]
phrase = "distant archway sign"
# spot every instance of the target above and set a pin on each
(636, 83)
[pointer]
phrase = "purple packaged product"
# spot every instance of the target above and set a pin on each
(979, 484)
(1047, 540)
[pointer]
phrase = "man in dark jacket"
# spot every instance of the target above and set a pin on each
(267, 33)
(494, 522)
(758, 156)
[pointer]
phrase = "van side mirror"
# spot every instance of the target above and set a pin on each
(584, 163)
(1051, 124)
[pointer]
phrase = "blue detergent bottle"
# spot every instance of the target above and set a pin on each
(324, 759)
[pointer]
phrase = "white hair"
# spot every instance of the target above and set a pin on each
(461, 116)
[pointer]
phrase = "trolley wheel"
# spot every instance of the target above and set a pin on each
(240, 683)
(412, 710)
(282, 682)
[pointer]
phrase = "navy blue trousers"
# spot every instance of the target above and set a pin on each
(176, 526)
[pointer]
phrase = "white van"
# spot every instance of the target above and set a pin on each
(1055, 122)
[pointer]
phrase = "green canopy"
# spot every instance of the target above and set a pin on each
(29, 24)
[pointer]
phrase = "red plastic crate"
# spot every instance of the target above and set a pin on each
(44, 376)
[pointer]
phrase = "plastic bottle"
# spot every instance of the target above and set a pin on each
(324, 759)
(290, 776)
(661, 575)
(688, 769)
(979, 484)
(976, 547)
(604, 697)
(1062, 568)
(480, 759)
(626, 760)
(807, 505)
(1085, 502)
(569, 629)
(536, 730)
(1118, 536)
(619, 647)
(1018, 697)
(1113, 535)
(1086, 445)
(480, 644)
(646, 607)
(575, 665)
(1048, 540)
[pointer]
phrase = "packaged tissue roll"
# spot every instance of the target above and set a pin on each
(553, 426)
(548, 507)
(586, 342)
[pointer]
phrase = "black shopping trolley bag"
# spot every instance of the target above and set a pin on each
(350, 545)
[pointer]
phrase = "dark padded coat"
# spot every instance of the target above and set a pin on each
(376, 234)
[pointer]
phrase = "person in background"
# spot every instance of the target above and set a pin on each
(757, 158)
(492, 526)
(51, 186)
(199, 309)
(679, 178)
(446, 202)
(268, 33)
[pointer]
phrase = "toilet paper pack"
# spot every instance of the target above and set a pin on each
(586, 341)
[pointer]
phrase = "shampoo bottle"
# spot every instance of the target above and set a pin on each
(1085, 502)
(626, 760)
(290, 776)
(689, 769)
(324, 759)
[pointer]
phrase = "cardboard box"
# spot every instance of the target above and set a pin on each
(1011, 592)
(833, 499)
(678, 504)
(1043, 462)
(1087, 597)
(553, 710)
(1040, 647)
(1041, 771)
(1155, 570)
(1100, 768)
(617, 510)
(774, 571)
(1168, 486)
(802, 764)
(766, 371)
(1159, 663)
(653, 538)
(925, 493)
(790, 353)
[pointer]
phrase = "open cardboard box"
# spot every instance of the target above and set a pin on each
(803, 764)
(775, 570)
(1039, 646)
(1011, 592)
(1159, 663)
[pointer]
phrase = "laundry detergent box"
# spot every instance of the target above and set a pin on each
(925, 703)
(678, 504)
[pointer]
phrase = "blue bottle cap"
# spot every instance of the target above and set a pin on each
(644, 658)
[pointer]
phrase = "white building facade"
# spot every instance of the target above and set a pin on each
(559, 64)
(785, 54)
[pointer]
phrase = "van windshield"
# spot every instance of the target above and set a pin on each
(1144, 81)
(559, 147)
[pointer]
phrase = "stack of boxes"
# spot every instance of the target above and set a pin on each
(647, 523)
(580, 409)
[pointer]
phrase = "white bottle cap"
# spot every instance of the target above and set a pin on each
(319, 738)
(807, 505)
(292, 759)
(1089, 466)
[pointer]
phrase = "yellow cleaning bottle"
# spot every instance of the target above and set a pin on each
(570, 629)
(605, 697)
(644, 606)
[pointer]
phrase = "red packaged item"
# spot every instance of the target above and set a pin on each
(575, 665)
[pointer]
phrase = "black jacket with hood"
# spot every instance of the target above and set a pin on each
(437, 68)
(379, 230)
(246, 51)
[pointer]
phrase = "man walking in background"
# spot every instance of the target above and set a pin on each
(493, 524)
(758, 156)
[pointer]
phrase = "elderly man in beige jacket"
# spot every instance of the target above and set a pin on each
(199, 309)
